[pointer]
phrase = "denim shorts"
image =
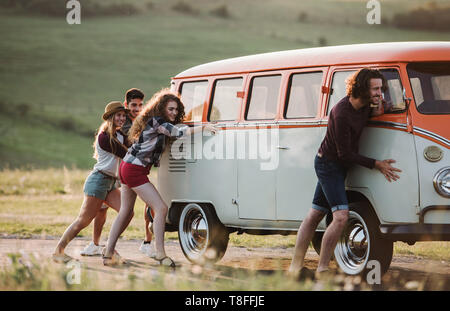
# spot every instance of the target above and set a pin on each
(330, 192)
(99, 185)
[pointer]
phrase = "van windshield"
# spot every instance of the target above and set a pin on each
(431, 86)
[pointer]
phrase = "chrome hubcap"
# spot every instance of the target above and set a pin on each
(352, 249)
(194, 231)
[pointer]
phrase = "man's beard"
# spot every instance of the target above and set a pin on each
(371, 101)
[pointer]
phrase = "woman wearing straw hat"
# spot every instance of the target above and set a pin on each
(148, 133)
(109, 148)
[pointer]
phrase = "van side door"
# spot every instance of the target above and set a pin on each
(300, 136)
(430, 114)
(256, 143)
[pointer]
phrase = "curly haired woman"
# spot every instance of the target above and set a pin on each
(148, 134)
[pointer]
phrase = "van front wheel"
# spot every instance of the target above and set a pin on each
(203, 238)
(360, 244)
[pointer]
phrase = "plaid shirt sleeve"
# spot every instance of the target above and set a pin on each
(170, 130)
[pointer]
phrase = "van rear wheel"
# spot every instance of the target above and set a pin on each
(360, 243)
(203, 238)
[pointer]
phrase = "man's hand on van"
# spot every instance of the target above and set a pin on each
(387, 169)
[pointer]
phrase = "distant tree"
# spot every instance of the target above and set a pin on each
(57, 8)
(184, 7)
(322, 41)
(429, 17)
(221, 11)
(303, 17)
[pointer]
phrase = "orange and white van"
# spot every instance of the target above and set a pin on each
(257, 176)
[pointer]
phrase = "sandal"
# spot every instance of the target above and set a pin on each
(166, 261)
(61, 258)
(114, 260)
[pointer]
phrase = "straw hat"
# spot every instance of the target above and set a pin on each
(112, 108)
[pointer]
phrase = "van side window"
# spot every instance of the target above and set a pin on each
(264, 93)
(303, 95)
(394, 93)
(193, 95)
(338, 88)
(430, 82)
(225, 104)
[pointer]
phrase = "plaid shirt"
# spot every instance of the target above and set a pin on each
(152, 141)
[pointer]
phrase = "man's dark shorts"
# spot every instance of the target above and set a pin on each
(330, 190)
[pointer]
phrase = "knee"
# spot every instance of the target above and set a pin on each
(128, 214)
(101, 215)
(162, 210)
(314, 217)
(340, 218)
(82, 223)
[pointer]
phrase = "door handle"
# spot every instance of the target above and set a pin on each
(283, 148)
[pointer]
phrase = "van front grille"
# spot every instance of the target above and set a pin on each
(177, 165)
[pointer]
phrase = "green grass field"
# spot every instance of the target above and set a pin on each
(55, 78)
(43, 203)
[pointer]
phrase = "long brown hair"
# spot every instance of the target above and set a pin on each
(358, 84)
(156, 108)
(109, 128)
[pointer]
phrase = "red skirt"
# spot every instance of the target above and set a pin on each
(133, 175)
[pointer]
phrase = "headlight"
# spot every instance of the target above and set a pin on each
(441, 182)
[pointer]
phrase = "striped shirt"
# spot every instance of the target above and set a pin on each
(152, 141)
(109, 157)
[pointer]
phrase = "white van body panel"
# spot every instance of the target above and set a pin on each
(393, 202)
(199, 180)
(295, 176)
(427, 170)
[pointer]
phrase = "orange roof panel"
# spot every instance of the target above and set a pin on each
(326, 56)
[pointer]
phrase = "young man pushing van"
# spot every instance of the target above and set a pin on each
(338, 152)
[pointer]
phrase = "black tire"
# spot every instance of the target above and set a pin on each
(360, 243)
(203, 238)
(317, 241)
(149, 213)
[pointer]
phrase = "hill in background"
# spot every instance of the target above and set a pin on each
(55, 78)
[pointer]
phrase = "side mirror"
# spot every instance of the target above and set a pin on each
(407, 100)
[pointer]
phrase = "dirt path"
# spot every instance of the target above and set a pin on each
(406, 272)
